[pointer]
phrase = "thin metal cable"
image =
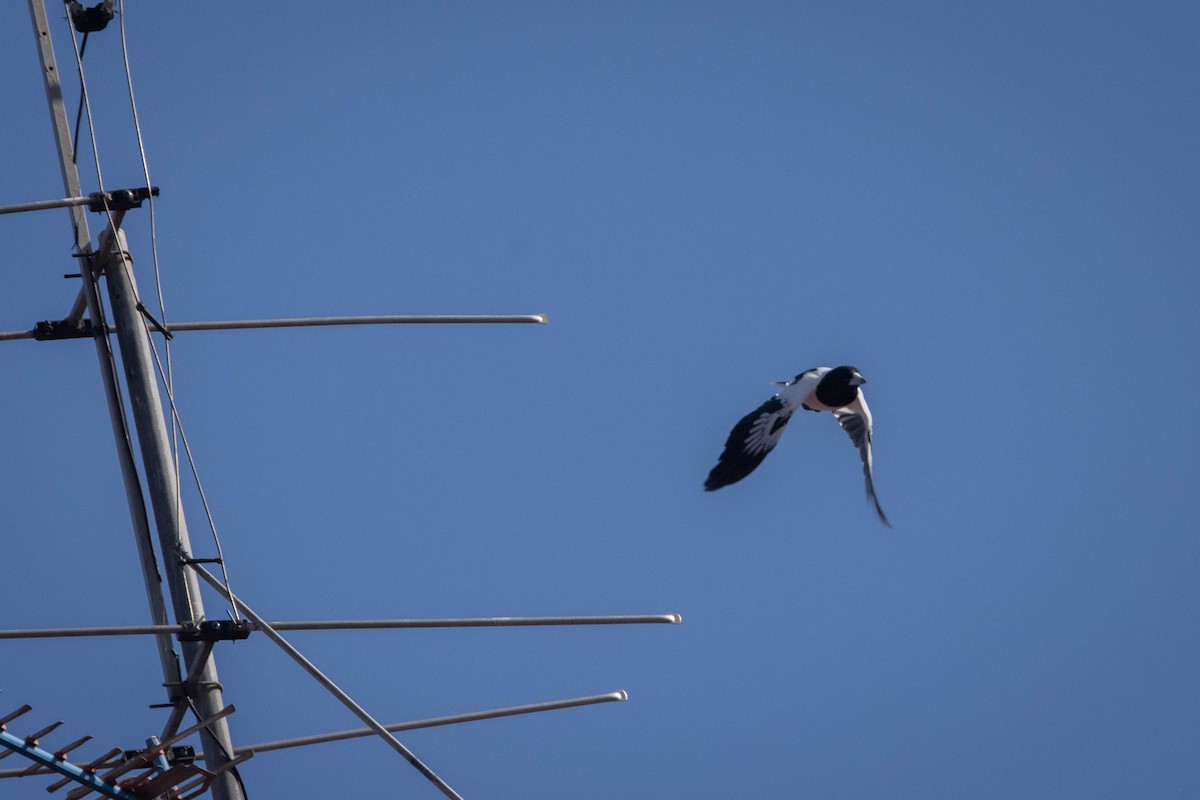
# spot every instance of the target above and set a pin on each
(167, 376)
(169, 380)
(87, 105)
(137, 128)
(212, 525)
(78, 111)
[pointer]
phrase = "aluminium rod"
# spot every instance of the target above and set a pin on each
(77, 308)
(312, 322)
(432, 722)
(329, 685)
(355, 624)
(96, 201)
(9, 335)
(480, 622)
(382, 319)
(40, 205)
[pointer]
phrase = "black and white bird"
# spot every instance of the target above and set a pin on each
(834, 389)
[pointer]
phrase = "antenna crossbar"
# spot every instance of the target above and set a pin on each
(385, 319)
(432, 722)
(76, 331)
(96, 201)
(353, 624)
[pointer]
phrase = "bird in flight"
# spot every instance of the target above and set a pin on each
(834, 389)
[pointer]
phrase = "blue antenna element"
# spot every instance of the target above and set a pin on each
(151, 773)
(57, 762)
(160, 760)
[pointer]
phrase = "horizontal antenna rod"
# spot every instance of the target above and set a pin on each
(312, 322)
(395, 319)
(120, 199)
(41, 205)
(432, 722)
(355, 624)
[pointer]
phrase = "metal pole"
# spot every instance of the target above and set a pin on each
(312, 322)
(133, 488)
(41, 205)
(354, 624)
(159, 469)
(97, 201)
(432, 722)
(389, 319)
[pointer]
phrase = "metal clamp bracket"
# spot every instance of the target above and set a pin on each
(50, 330)
(214, 630)
(120, 199)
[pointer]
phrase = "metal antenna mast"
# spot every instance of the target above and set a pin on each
(192, 684)
(204, 691)
(203, 694)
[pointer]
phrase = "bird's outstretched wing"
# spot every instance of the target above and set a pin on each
(749, 442)
(855, 420)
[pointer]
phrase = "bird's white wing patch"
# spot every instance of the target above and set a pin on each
(855, 420)
(801, 388)
(766, 426)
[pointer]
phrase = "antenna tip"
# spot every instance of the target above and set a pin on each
(674, 619)
(621, 695)
(542, 319)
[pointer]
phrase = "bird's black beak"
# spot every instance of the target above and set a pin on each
(857, 379)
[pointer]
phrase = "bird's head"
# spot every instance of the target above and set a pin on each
(847, 375)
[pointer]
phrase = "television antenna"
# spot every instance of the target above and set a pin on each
(165, 768)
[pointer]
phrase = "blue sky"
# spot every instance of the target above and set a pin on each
(990, 210)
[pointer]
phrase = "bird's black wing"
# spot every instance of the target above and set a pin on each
(855, 420)
(749, 442)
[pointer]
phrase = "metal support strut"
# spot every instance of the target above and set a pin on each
(205, 695)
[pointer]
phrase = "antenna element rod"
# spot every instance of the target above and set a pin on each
(431, 722)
